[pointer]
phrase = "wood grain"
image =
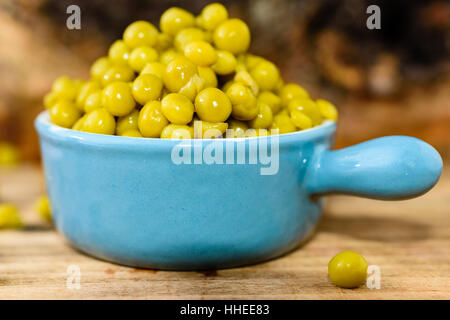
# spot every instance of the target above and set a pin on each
(408, 240)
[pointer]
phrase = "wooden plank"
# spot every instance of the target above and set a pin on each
(408, 240)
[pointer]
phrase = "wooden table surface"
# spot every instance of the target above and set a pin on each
(408, 240)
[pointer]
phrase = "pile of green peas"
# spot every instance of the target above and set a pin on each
(158, 84)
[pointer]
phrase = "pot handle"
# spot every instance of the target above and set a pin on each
(387, 168)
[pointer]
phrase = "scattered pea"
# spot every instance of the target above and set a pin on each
(348, 269)
(140, 33)
(9, 216)
(9, 154)
(271, 99)
(42, 206)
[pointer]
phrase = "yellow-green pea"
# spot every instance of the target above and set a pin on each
(209, 77)
(155, 68)
(9, 154)
(301, 120)
(201, 53)
(271, 99)
(208, 130)
(140, 56)
(99, 121)
(9, 216)
(127, 122)
(327, 109)
(177, 108)
(227, 85)
(163, 42)
(243, 102)
(232, 35)
(251, 60)
(175, 131)
(132, 133)
(176, 19)
(236, 128)
(42, 206)
(50, 99)
(193, 87)
(64, 88)
(290, 91)
(119, 52)
(187, 36)
(168, 56)
(308, 107)
(78, 125)
(226, 63)
(99, 67)
(118, 73)
(266, 75)
(64, 113)
(118, 99)
(147, 87)
(283, 123)
(93, 101)
(245, 78)
(213, 105)
(213, 15)
(348, 269)
(86, 89)
(264, 118)
(178, 73)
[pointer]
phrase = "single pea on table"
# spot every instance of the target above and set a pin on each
(348, 269)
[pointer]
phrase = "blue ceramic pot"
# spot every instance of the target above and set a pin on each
(131, 201)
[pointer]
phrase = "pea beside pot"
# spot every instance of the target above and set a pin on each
(134, 201)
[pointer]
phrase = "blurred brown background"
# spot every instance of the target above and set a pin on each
(390, 81)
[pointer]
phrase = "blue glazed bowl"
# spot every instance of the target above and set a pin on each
(157, 203)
